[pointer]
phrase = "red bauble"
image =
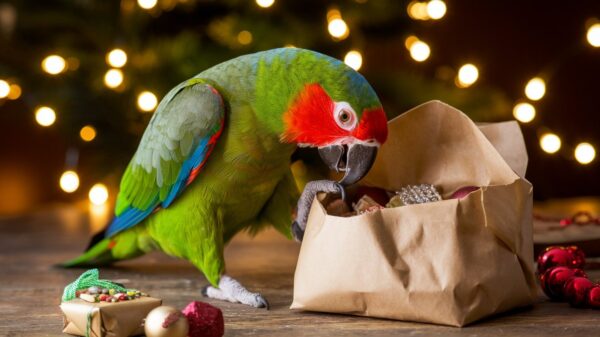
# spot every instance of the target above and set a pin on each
(576, 291)
(594, 297)
(463, 192)
(554, 279)
(578, 256)
(205, 320)
(560, 256)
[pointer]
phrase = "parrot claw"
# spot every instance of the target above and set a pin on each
(261, 301)
(341, 190)
(232, 291)
(308, 195)
(204, 291)
(297, 232)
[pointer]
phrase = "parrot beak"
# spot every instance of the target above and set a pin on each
(355, 160)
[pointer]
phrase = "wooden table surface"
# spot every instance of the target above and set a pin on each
(30, 288)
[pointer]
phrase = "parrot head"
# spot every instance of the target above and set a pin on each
(344, 119)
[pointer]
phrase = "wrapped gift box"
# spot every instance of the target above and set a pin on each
(106, 319)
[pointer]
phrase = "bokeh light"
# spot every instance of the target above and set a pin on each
(98, 194)
(593, 35)
(69, 181)
(550, 143)
(409, 41)
(116, 58)
(535, 89)
(147, 4)
(45, 116)
(265, 3)
(54, 64)
(524, 112)
(244, 37)
(417, 10)
(87, 133)
(4, 89)
(147, 101)
(420, 51)
(113, 78)
(436, 9)
(585, 153)
(15, 91)
(338, 28)
(467, 75)
(353, 59)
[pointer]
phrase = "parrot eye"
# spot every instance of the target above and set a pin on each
(344, 116)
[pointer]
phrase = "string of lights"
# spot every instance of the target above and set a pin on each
(116, 59)
(535, 89)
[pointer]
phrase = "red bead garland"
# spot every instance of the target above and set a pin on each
(562, 279)
(579, 218)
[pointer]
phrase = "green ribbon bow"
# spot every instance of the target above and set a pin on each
(89, 279)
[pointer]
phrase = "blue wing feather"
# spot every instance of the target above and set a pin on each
(188, 165)
(132, 216)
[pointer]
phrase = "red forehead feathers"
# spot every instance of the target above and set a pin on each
(310, 120)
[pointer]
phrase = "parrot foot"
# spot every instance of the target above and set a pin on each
(305, 202)
(232, 291)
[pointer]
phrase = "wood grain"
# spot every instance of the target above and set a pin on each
(30, 288)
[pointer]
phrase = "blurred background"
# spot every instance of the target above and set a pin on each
(79, 79)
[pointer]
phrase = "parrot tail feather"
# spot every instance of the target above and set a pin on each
(96, 238)
(98, 255)
(103, 251)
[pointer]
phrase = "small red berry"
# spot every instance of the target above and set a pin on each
(554, 279)
(594, 297)
(560, 256)
(576, 291)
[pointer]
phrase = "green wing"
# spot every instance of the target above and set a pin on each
(173, 150)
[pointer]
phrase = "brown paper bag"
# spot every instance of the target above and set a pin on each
(449, 262)
(120, 319)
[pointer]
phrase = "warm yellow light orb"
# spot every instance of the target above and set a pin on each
(436, 9)
(147, 4)
(4, 89)
(265, 3)
(147, 101)
(593, 35)
(535, 89)
(417, 10)
(98, 194)
(467, 75)
(45, 116)
(585, 153)
(15, 91)
(54, 64)
(116, 58)
(409, 41)
(420, 51)
(550, 143)
(524, 112)
(244, 37)
(69, 181)
(333, 13)
(87, 133)
(338, 28)
(113, 78)
(353, 59)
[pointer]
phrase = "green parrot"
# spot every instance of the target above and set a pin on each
(215, 160)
